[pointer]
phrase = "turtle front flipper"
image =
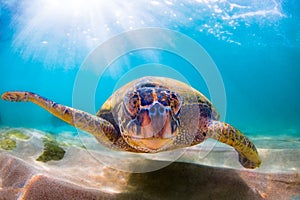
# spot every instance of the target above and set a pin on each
(103, 130)
(248, 155)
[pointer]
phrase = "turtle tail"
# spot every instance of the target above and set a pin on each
(100, 128)
(248, 155)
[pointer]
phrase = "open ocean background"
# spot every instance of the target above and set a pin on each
(254, 44)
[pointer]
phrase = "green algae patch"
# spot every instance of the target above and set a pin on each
(8, 138)
(52, 151)
(17, 134)
(7, 144)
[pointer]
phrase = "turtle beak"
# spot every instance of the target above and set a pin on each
(153, 122)
(152, 130)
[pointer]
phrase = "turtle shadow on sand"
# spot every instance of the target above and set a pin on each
(188, 181)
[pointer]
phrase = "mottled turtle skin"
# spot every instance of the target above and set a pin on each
(149, 115)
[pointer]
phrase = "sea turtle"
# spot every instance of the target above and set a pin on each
(151, 114)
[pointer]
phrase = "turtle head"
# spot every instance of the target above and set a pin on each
(150, 117)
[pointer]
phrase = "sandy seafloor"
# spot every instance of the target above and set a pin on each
(217, 175)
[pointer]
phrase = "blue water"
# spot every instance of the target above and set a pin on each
(255, 45)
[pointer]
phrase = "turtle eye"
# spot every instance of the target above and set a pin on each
(132, 103)
(175, 103)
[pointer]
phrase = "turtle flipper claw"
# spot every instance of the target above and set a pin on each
(247, 163)
(15, 96)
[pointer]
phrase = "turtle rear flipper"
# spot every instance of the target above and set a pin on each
(103, 130)
(248, 155)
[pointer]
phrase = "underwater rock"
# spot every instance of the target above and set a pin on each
(84, 178)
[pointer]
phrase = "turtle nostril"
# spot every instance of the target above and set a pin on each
(152, 110)
(161, 110)
(156, 109)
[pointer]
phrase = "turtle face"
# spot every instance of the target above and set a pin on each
(150, 118)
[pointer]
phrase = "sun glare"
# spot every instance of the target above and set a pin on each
(62, 33)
